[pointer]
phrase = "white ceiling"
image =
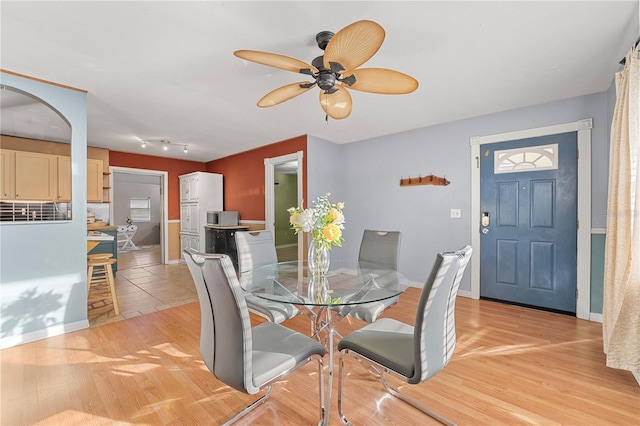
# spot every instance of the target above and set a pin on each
(166, 70)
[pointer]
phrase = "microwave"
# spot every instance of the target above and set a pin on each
(222, 218)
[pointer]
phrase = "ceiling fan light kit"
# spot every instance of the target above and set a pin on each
(336, 70)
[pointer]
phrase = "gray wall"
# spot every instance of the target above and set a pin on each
(367, 174)
(130, 185)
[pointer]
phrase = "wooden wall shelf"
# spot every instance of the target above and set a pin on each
(424, 180)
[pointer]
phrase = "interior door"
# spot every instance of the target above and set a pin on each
(528, 226)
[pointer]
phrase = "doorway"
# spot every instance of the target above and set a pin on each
(138, 185)
(283, 189)
(583, 260)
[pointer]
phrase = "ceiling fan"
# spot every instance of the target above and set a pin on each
(336, 70)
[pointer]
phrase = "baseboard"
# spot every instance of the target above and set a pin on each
(637, 376)
(44, 333)
(465, 293)
(595, 317)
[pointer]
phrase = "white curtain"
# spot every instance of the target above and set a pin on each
(621, 309)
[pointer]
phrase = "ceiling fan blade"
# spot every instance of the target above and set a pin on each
(384, 81)
(354, 45)
(275, 60)
(337, 105)
(284, 93)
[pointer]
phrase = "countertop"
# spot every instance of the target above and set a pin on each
(91, 227)
(98, 236)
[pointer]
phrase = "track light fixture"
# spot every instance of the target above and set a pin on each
(164, 143)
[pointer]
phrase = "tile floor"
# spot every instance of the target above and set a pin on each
(144, 285)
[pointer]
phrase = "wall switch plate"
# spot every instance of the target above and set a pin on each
(456, 214)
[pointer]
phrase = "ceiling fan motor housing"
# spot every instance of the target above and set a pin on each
(326, 80)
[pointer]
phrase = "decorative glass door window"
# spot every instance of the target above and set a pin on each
(528, 159)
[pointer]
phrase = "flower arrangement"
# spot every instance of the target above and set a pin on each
(324, 221)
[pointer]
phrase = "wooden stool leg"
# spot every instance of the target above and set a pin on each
(112, 285)
(89, 278)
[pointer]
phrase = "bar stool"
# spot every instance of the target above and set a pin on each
(100, 271)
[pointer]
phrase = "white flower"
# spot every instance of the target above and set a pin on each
(305, 221)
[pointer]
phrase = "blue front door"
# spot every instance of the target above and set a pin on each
(528, 229)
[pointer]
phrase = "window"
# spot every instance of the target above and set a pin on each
(529, 159)
(140, 209)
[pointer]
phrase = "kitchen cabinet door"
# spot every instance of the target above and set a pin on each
(36, 176)
(94, 181)
(189, 188)
(189, 241)
(189, 218)
(7, 174)
(64, 179)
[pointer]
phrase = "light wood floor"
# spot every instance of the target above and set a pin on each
(512, 366)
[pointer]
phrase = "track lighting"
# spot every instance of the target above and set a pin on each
(165, 144)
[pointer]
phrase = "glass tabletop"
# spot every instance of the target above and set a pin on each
(290, 282)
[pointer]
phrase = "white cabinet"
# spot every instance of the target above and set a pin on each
(189, 217)
(189, 241)
(189, 186)
(200, 192)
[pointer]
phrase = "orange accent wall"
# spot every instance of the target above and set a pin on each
(174, 166)
(244, 176)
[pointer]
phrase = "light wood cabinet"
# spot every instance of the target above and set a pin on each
(36, 176)
(94, 181)
(64, 179)
(7, 174)
(31, 176)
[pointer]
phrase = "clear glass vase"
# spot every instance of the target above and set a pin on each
(319, 289)
(318, 259)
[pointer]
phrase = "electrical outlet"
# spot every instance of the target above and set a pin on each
(456, 214)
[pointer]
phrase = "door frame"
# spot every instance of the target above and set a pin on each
(164, 221)
(583, 129)
(269, 191)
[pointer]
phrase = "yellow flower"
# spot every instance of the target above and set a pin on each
(331, 233)
(333, 214)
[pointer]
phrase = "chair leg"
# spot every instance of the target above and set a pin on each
(250, 407)
(340, 381)
(321, 388)
(392, 391)
(414, 403)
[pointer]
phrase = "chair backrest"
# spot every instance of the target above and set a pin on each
(227, 334)
(435, 328)
(380, 247)
(255, 249)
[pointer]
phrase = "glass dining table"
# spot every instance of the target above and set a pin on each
(326, 297)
